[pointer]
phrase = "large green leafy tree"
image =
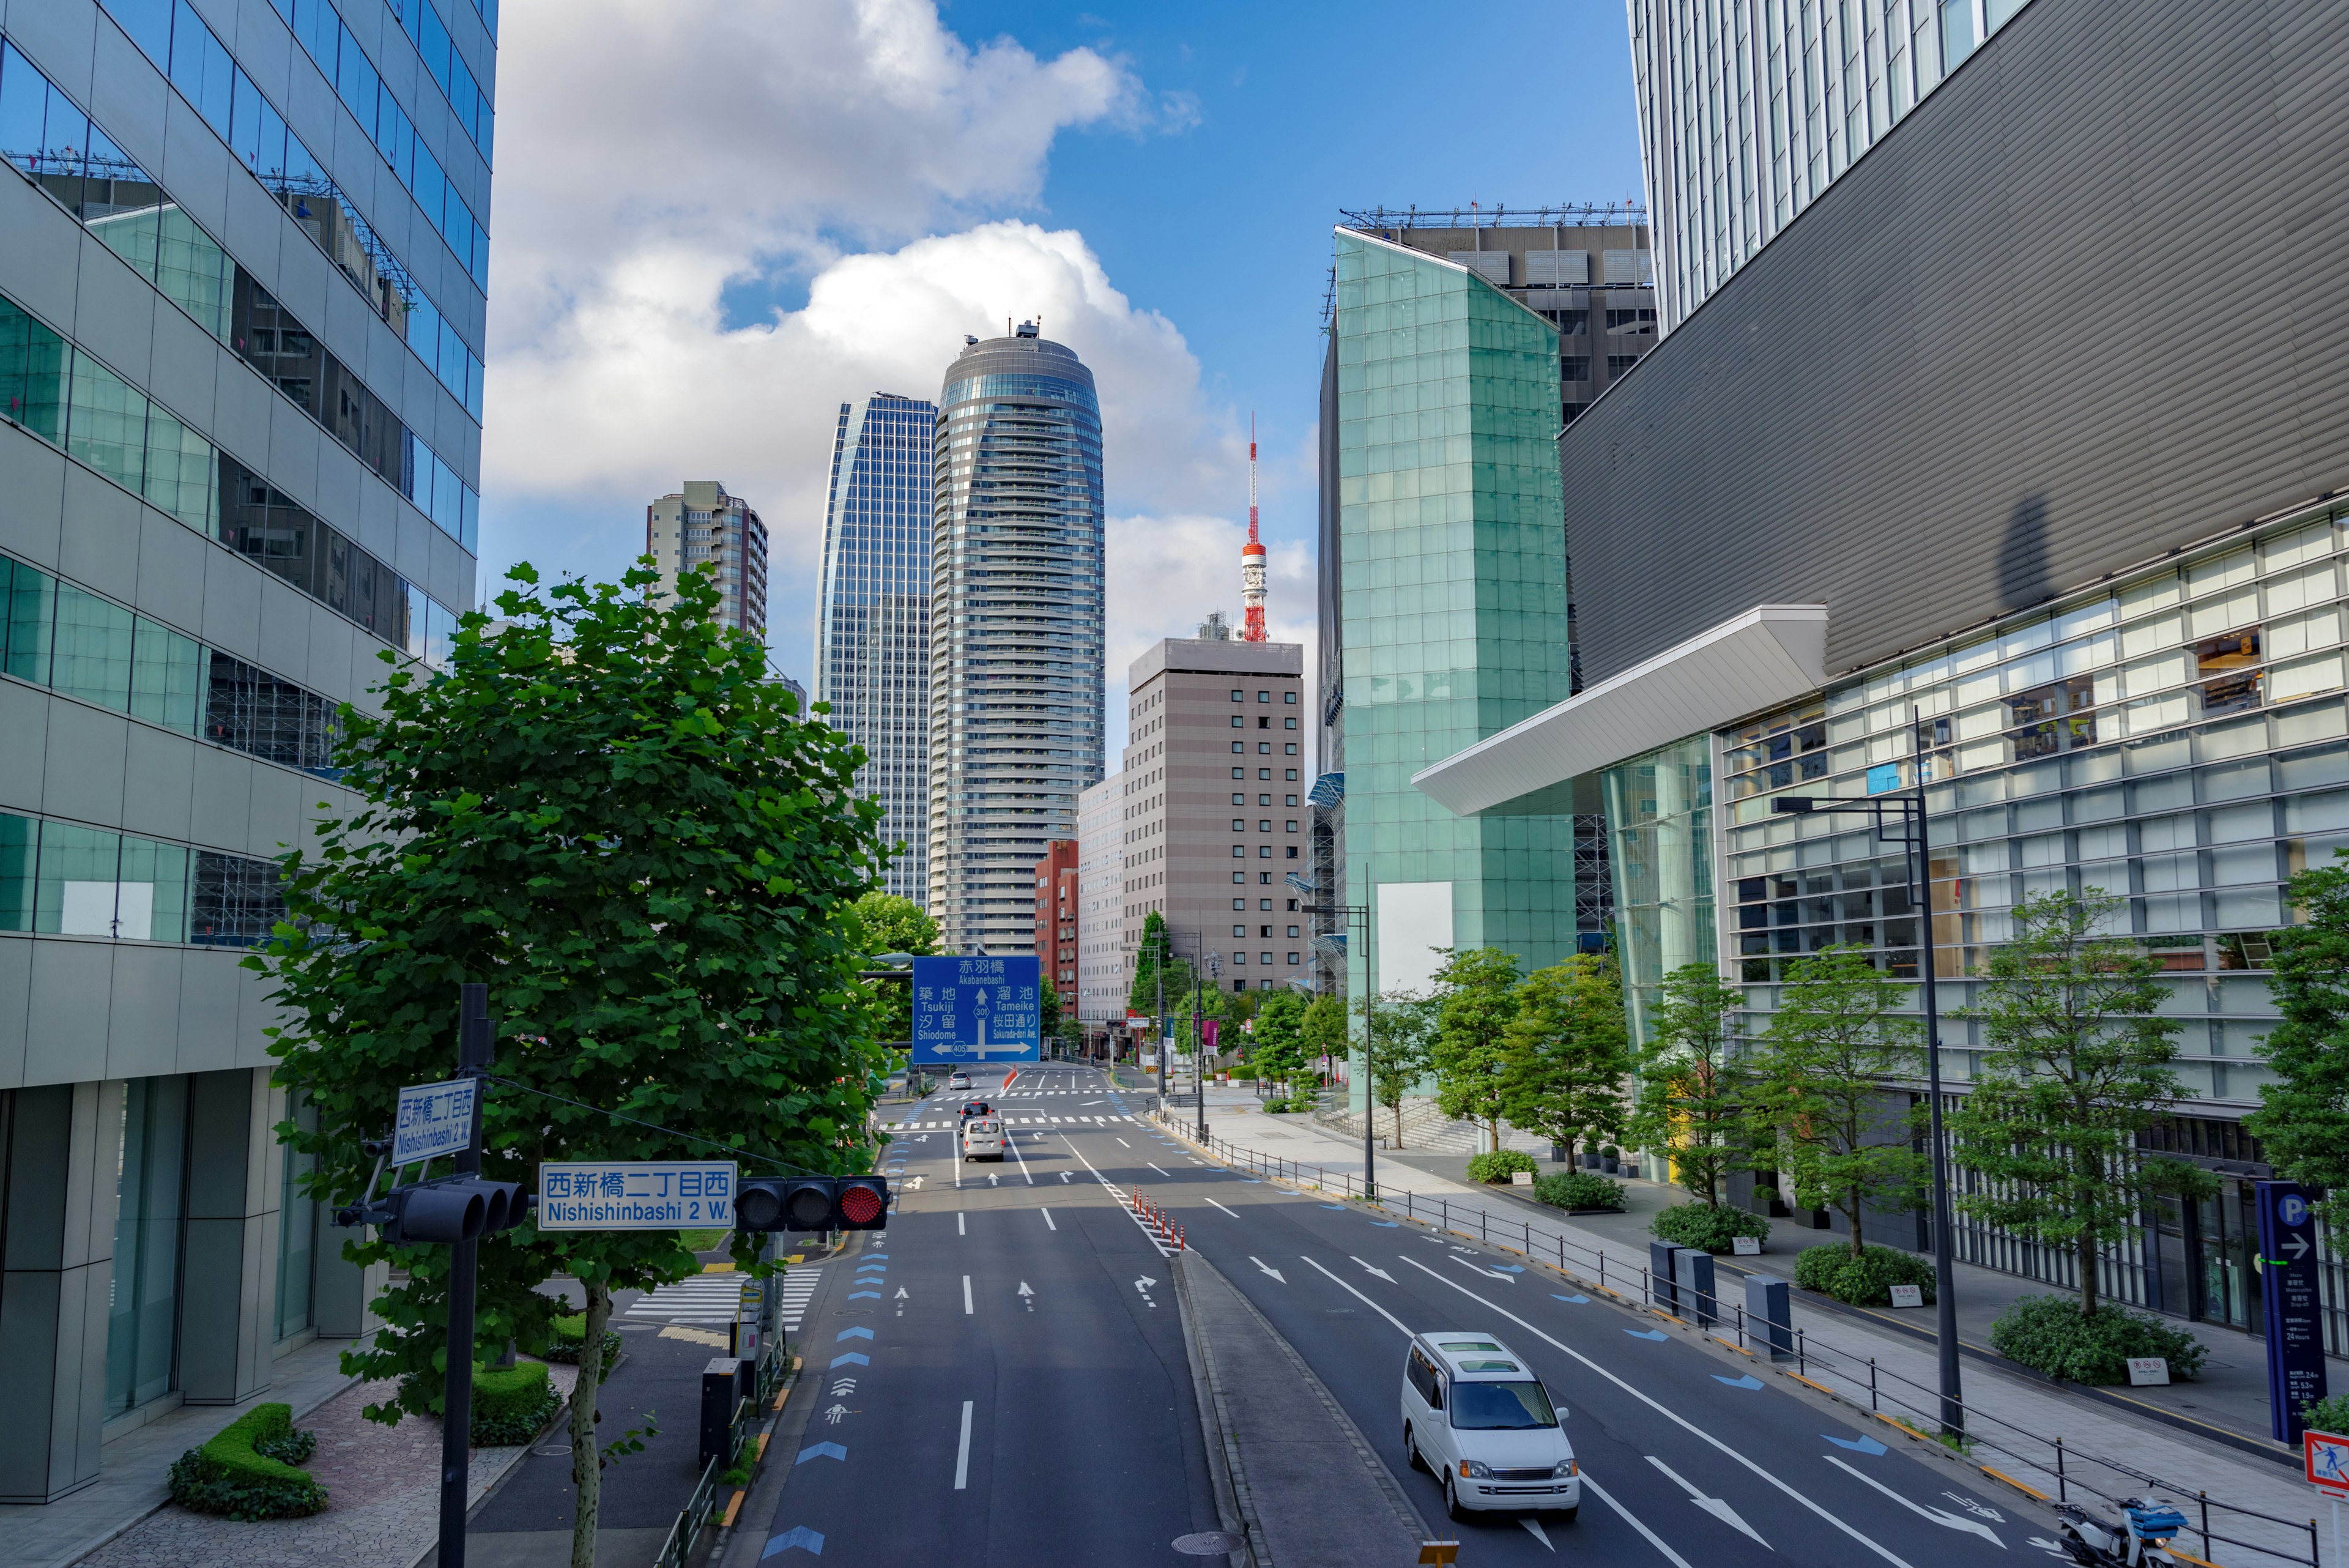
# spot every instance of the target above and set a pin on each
(887, 923)
(2080, 1063)
(1153, 958)
(1476, 1001)
(1819, 1082)
(1322, 1030)
(2302, 1122)
(607, 813)
(1400, 1029)
(1276, 1043)
(1692, 1097)
(1566, 1054)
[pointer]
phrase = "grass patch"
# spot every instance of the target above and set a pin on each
(704, 1241)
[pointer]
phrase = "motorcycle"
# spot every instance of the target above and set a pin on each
(2146, 1527)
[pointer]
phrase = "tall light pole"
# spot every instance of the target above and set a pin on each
(1910, 833)
(1359, 915)
(1199, 1035)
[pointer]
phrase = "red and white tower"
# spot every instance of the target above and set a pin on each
(1252, 559)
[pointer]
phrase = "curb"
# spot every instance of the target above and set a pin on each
(1235, 1511)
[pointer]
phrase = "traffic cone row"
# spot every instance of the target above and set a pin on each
(1152, 1215)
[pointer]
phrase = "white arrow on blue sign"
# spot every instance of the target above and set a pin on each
(435, 1119)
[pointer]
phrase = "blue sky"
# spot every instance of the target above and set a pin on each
(690, 288)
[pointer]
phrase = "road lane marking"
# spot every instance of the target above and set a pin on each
(1268, 1268)
(965, 1295)
(1220, 1206)
(958, 1230)
(1937, 1515)
(1380, 1272)
(1047, 1213)
(1603, 1495)
(1022, 1159)
(1160, 1169)
(1363, 1299)
(1714, 1506)
(962, 1454)
(1666, 1412)
(1120, 1140)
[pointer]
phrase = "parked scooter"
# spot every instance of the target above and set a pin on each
(2146, 1527)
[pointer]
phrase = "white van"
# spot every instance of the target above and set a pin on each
(982, 1138)
(1475, 1413)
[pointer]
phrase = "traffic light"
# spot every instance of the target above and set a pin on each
(452, 1208)
(812, 1203)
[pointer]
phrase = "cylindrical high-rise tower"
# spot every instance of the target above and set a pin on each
(1015, 731)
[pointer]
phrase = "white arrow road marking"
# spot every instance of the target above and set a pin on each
(992, 1179)
(1380, 1272)
(1506, 1278)
(1047, 1213)
(1942, 1516)
(1672, 1416)
(916, 1184)
(1268, 1268)
(901, 1293)
(965, 1295)
(1540, 1533)
(1603, 1495)
(1712, 1505)
(1220, 1206)
(1361, 1297)
(1024, 1294)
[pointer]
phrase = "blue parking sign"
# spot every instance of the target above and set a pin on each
(968, 1011)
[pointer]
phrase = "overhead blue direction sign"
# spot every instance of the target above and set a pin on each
(977, 1010)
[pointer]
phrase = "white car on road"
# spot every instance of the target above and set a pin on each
(1475, 1413)
(982, 1138)
(958, 1081)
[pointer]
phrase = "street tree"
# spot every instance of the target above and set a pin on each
(1477, 1001)
(1322, 1032)
(1276, 1045)
(2302, 1122)
(1402, 1030)
(1565, 1055)
(1154, 959)
(887, 923)
(1833, 1050)
(606, 812)
(1691, 1103)
(2080, 1063)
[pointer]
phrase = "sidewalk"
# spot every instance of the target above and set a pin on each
(2016, 1418)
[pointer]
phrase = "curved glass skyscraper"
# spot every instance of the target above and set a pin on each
(1015, 723)
(872, 618)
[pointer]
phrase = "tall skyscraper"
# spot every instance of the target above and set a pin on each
(873, 615)
(1746, 113)
(703, 526)
(1015, 628)
(240, 437)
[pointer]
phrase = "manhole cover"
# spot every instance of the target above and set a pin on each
(552, 1450)
(1208, 1543)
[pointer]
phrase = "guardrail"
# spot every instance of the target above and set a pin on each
(2063, 1468)
(703, 1506)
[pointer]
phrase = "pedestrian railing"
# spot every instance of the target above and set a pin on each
(2041, 1466)
(704, 1505)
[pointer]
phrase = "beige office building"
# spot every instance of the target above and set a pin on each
(702, 525)
(1213, 814)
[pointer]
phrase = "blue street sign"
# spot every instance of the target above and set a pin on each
(2288, 1288)
(970, 1011)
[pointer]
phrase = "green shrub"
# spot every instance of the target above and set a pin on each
(1711, 1227)
(1243, 1073)
(512, 1402)
(1500, 1165)
(232, 1475)
(1578, 1189)
(1865, 1281)
(564, 1337)
(2049, 1334)
(2330, 1414)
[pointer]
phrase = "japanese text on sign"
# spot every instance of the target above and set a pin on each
(636, 1195)
(435, 1119)
(977, 1009)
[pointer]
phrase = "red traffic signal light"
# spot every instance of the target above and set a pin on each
(861, 1203)
(812, 1203)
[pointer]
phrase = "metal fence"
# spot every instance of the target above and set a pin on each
(2040, 1464)
(704, 1505)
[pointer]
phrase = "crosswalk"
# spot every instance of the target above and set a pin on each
(799, 1285)
(1015, 1121)
(705, 1298)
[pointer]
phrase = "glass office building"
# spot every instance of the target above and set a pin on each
(1452, 596)
(241, 330)
(873, 615)
(1015, 649)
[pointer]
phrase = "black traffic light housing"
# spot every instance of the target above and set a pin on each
(451, 1208)
(812, 1203)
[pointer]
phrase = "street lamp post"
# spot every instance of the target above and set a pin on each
(1199, 1036)
(1359, 915)
(1910, 833)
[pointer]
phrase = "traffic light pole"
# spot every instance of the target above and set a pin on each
(473, 1061)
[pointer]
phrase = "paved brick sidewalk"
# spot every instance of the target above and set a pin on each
(2017, 1421)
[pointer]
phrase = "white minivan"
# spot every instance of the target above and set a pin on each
(1475, 1413)
(982, 1138)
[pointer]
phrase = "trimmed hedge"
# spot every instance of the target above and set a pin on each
(1500, 1165)
(1863, 1281)
(512, 1402)
(1711, 1227)
(2049, 1334)
(565, 1333)
(1578, 1189)
(244, 1470)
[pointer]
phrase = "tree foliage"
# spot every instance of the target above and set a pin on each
(1818, 1087)
(1322, 1030)
(2079, 1064)
(2302, 1122)
(1402, 1026)
(607, 813)
(885, 923)
(1567, 1053)
(1476, 1003)
(1154, 956)
(1692, 1100)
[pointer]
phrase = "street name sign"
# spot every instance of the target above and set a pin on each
(435, 1119)
(636, 1195)
(2288, 1283)
(969, 1010)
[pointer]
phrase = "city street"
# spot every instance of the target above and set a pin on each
(1084, 1438)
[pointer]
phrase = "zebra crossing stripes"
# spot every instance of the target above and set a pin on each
(1020, 1121)
(799, 1285)
(705, 1298)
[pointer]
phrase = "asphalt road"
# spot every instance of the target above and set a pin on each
(1002, 1373)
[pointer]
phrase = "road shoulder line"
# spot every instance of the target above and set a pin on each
(1236, 1510)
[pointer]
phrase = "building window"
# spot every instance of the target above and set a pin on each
(1237, 721)
(142, 1338)
(1239, 745)
(1291, 855)
(1239, 825)
(1238, 876)
(1239, 851)
(1239, 696)
(1289, 698)
(1290, 749)
(1292, 957)
(1263, 851)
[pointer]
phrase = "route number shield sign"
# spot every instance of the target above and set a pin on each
(975, 1010)
(435, 1119)
(636, 1195)
(2328, 1461)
